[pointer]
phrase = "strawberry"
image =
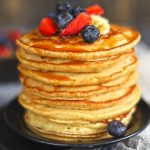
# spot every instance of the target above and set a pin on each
(47, 26)
(77, 24)
(14, 35)
(4, 52)
(95, 9)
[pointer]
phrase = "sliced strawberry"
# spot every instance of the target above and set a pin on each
(95, 9)
(77, 24)
(47, 26)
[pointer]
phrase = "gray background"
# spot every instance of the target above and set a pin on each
(27, 13)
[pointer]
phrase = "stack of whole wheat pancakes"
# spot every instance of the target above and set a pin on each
(73, 89)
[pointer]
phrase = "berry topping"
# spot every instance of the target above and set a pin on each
(47, 26)
(90, 34)
(95, 9)
(77, 25)
(67, 21)
(63, 19)
(63, 7)
(76, 11)
(116, 128)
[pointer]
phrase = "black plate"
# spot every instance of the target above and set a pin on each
(13, 115)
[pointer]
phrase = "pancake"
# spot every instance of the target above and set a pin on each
(118, 41)
(76, 79)
(38, 63)
(77, 115)
(76, 131)
(96, 102)
(45, 90)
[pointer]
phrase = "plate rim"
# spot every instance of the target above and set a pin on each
(65, 144)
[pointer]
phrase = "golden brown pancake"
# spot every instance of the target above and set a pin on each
(76, 79)
(38, 63)
(96, 102)
(46, 90)
(72, 132)
(118, 107)
(73, 89)
(119, 40)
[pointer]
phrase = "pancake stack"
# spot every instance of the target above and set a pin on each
(73, 89)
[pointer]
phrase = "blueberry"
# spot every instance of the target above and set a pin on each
(90, 33)
(3, 39)
(63, 7)
(116, 128)
(77, 10)
(52, 15)
(63, 19)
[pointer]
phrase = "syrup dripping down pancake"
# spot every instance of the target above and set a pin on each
(43, 89)
(118, 41)
(47, 64)
(100, 101)
(82, 79)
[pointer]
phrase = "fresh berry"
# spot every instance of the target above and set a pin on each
(3, 38)
(4, 52)
(63, 19)
(77, 25)
(90, 34)
(6, 41)
(76, 11)
(47, 26)
(95, 9)
(14, 35)
(63, 7)
(116, 128)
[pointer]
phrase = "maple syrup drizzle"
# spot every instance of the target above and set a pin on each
(57, 43)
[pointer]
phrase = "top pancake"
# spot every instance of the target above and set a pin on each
(118, 41)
